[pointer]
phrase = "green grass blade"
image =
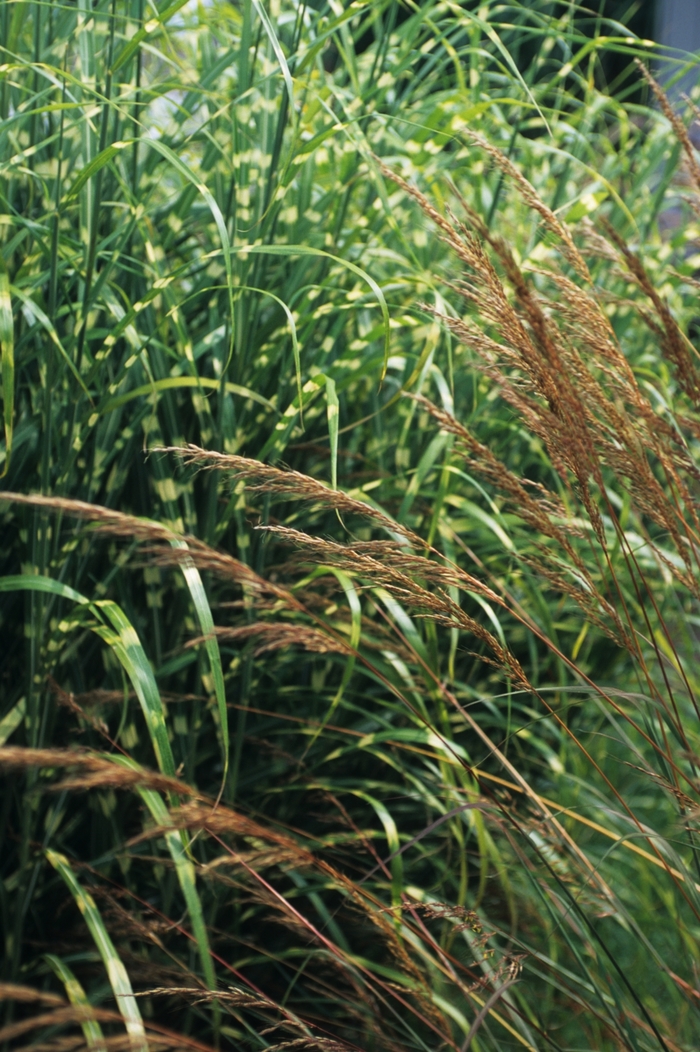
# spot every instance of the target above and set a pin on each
(202, 188)
(36, 583)
(495, 39)
(206, 623)
(277, 48)
(293, 333)
(171, 383)
(116, 972)
(333, 412)
(348, 586)
(177, 842)
(187, 880)
(7, 356)
(94, 1038)
(48, 325)
(305, 250)
(95, 165)
(393, 843)
(125, 643)
(11, 720)
(425, 465)
(146, 31)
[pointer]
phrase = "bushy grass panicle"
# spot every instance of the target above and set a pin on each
(350, 530)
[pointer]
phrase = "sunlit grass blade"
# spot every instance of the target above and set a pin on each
(178, 844)
(46, 323)
(36, 583)
(277, 48)
(116, 972)
(206, 623)
(147, 30)
(123, 640)
(187, 879)
(12, 719)
(125, 643)
(171, 383)
(7, 358)
(333, 412)
(94, 1038)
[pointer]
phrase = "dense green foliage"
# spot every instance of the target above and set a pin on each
(348, 635)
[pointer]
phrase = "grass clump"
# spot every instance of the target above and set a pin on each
(350, 522)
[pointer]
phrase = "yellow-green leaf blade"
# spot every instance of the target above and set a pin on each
(7, 354)
(92, 1030)
(116, 972)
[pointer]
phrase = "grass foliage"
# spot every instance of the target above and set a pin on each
(350, 530)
